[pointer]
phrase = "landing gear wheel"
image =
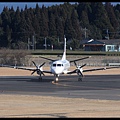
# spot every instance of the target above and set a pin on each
(56, 80)
(40, 78)
(79, 79)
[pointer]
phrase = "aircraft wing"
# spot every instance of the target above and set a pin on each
(17, 67)
(9, 66)
(79, 59)
(33, 69)
(24, 68)
(94, 69)
(104, 68)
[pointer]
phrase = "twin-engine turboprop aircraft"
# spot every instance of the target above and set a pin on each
(59, 67)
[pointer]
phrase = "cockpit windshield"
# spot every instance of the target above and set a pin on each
(54, 65)
(57, 65)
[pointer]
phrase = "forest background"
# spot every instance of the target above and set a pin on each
(83, 20)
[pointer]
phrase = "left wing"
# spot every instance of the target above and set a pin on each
(94, 69)
(104, 68)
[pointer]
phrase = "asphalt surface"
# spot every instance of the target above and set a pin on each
(105, 87)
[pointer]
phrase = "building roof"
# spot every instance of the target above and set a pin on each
(102, 42)
(94, 42)
(111, 41)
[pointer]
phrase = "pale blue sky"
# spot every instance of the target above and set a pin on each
(29, 4)
(32, 4)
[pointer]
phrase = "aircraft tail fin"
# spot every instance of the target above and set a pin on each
(64, 52)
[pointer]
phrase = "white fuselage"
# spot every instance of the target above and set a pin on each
(60, 67)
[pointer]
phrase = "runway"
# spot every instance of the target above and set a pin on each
(105, 87)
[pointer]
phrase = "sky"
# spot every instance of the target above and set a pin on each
(29, 4)
(32, 4)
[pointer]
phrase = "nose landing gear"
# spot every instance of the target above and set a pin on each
(56, 78)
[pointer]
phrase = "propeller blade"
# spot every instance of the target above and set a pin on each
(42, 73)
(34, 64)
(82, 65)
(41, 65)
(38, 69)
(33, 71)
(75, 63)
(79, 72)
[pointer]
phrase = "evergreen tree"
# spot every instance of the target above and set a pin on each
(101, 19)
(117, 14)
(36, 20)
(76, 25)
(59, 28)
(111, 15)
(6, 21)
(52, 25)
(69, 30)
(28, 16)
(112, 18)
(58, 20)
(15, 28)
(44, 22)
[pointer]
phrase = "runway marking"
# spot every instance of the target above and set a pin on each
(61, 84)
(56, 83)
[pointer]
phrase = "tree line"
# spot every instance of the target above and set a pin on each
(20, 28)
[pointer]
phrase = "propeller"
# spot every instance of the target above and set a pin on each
(38, 69)
(78, 69)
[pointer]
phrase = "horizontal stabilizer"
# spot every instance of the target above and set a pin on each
(79, 59)
(47, 58)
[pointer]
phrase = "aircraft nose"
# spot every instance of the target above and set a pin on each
(57, 71)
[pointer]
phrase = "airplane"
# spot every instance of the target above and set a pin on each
(61, 66)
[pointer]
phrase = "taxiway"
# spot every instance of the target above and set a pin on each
(92, 87)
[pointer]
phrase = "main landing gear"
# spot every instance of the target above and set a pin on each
(80, 78)
(40, 77)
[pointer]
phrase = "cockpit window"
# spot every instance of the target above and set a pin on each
(59, 65)
(54, 65)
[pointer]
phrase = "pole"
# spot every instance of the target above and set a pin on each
(28, 43)
(33, 42)
(107, 34)
(85, 32)
(45, 44)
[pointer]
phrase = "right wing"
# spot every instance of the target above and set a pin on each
(24, 68)
(18, 67)
(33, 69)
